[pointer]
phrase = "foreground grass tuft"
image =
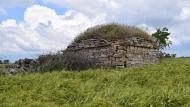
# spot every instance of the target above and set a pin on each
(163, 85)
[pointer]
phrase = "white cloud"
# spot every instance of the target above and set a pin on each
(110, 3)
(2, 11)
(9, 23)
(181, 33)
(36, 15)
(130, 11)
(43, 29)
(147, 28)
(185, 14)
(149, 14)
(88, 7)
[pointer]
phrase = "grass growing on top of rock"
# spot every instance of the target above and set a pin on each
(112, 31)
(162, 85)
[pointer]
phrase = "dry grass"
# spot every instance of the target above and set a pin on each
(112, 31)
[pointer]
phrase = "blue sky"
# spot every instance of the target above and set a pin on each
(32, 27)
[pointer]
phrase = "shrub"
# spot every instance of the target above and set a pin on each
(112, 31)
(1, 62)
(2, 69)
(6, 61)
(167, 55)
(162, 38)
(50, 62)
(77, 62)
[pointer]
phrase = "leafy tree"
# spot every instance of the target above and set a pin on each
(162, 37)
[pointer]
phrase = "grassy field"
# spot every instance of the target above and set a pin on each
(163, 85)
(1, 67)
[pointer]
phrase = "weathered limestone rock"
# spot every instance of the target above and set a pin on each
(22, 65)
(128, 52)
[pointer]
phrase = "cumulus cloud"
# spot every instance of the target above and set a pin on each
(2, 11)
(130, 11)
(151, 14)
(184, 15)
(181, 33)
(43, 29)
(88, 7)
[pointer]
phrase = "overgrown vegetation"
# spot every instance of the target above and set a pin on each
(163, 85)
(50, 62)
(4, 61)
(2, 66)
(167, 55)
(112, 31)
(162, 38)
(77, 62)
(163, 41)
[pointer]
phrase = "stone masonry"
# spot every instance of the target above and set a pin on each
(128, 52)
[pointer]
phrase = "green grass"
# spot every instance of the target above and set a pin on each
(2, 66)
(112, 31)
(162, 85)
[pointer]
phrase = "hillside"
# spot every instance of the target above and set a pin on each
(163, 85)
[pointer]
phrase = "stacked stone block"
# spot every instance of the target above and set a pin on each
(120, 53)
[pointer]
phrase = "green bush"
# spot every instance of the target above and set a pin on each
(6, 61)
(50, 62)
(162, 37)
(1, 62)
(77, 62)
(2, 68)
(167, 55)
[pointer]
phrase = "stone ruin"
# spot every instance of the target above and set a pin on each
(22, 65)
(120, 53)
(131, 51)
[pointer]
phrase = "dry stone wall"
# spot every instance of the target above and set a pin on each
(128, 52)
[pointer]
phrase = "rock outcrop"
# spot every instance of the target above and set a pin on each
(22, 65)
